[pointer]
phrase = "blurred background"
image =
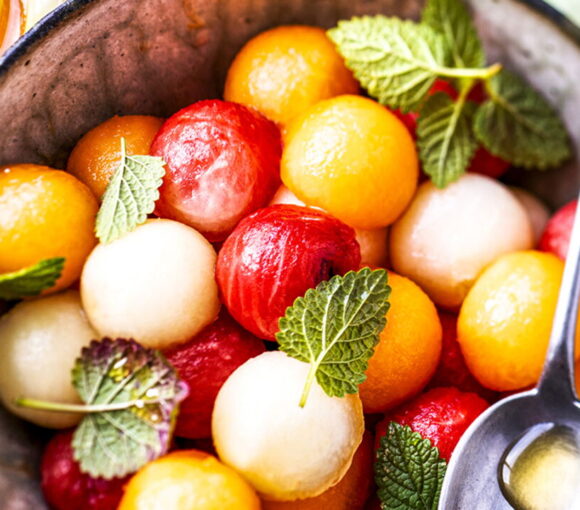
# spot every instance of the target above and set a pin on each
(17, 16)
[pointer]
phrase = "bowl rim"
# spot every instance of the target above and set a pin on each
(67, 9)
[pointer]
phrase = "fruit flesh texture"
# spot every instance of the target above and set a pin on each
(223, 162)
(188, 480)
(556, 236)
(353, 158)
(45, 213)
(351, 493)
(441, 415)
(274, 256)
(65, 487)
(41, 339)
(505, 322)
(408, 350)
(285, 451)
(447, 236)
(97, 155)
(155, 285)
(205, 363)
(452, 370)
(373, 243)
(284, 71)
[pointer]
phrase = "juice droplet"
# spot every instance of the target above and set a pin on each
(541, 470)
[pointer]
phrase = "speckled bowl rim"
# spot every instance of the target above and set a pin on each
(70, 7)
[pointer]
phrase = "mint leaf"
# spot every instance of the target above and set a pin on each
(130, 195)
(31, 280)
(445, 139)
(132, 394)
(408, 470)
(335, 327)
(452, 20)
(396, 61)
(518, 125)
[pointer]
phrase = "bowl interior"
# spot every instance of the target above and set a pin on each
(92, 59)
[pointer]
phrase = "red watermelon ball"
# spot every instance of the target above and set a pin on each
(274, 256)
(66, 488)
(204, 363)
(222, 163)
(441, 415)
(556, 236)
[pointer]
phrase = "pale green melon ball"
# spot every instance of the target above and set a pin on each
(286, 452)
(39, 343)
(155, 285)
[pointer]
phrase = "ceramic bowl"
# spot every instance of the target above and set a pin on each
(91, 59)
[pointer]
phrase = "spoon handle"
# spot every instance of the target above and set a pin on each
(557, 380)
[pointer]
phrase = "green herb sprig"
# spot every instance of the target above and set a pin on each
(408, 470)
(31, 280)
(130, 195)
(398, 62)
(130, 398)
(335, 327)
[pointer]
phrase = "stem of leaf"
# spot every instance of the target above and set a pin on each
(72, 408)
(465, 90)
(483, 74)
(309, 382)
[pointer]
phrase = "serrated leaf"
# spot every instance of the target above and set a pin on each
(335, 327)
(408, 470)
(142, 392)
(130, 195)
(445, 138)
(518, 125)
(31, 280)
(451, 19)
(396, 61)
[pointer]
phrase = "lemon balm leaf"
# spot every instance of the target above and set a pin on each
(31, 280)
(445, 139)
(518, 125)
(132, 395)
(130, 195)
(451, 19)
(408, 470)
(396, 61)
(335, 327)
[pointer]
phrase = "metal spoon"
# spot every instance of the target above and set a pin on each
(471, 482)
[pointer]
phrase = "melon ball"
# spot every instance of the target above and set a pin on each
(285, 451)
(41, 340)
(155, 285)
(447, 236)
(373, 243)
(538, 212)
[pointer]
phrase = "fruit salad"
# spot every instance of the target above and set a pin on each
(297, 296)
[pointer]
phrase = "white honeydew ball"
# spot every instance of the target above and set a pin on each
(155, 285)
(538, 212)
(286, 452)
(40, 341)
(374, 246)
(447, 236)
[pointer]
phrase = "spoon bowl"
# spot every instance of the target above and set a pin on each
(472, 480)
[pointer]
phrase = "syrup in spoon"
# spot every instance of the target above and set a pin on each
(541, 470)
